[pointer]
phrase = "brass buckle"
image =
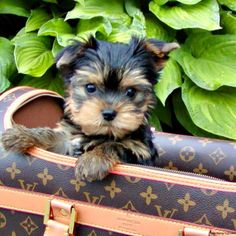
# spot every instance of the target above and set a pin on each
(48, 215)
(180, 233)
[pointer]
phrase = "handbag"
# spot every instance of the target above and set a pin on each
(192, 192)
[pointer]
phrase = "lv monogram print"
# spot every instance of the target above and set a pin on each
(202, 206)
(148, 195)
(200, 155)
(186, 202)
(157, 198)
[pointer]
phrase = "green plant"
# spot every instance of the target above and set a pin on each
(197, 85)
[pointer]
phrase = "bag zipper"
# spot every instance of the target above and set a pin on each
(147, 172)
(182, 172)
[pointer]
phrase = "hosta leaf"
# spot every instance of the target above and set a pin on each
(160, 2)
(209, 60)
(50, 1)
(20, 34)
(56, 48)
(231, 4)
(156, 29)
(121, 30)
(80, 1)
(137, 26)
(7, 64)
(170, 79)
(203, 15)
(120, 33)
(228, 22)
(132, 7)
(37, 18)
(33, 54)
(213, 111)
(114, 18)
(185, 120)
(154, 122)
(19, 7)
(163, 112)
(86, 28)
(112, 9)
(47, 81)
(124, 28)
(59, 29)
(188, 2)
(55, 27)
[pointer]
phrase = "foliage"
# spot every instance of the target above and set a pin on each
(197, 87)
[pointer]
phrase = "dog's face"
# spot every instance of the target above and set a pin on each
(110, 85)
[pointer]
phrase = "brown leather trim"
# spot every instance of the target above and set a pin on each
(152, 174)
(195, 232)
(12, 90)
(120, 221)
(19, 102)
(35, 113)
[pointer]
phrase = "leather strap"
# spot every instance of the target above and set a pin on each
(195, 232)
(59, 218)
(120, 221)
(54, 228)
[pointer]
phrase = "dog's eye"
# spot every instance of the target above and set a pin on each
(91, 88)
(130, 92)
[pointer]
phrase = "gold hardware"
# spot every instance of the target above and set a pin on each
(72, 220)
(47, 212)
(180, 233)
(48, 215)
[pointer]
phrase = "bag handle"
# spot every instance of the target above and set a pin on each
(60, 213)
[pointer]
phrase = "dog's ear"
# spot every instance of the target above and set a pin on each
(66, 58)
(159, 50)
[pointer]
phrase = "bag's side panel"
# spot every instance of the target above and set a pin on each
(158, 198)
(13, 223)
(210, 157)
(29, 224)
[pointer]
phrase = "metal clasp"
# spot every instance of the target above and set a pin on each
(49, 215)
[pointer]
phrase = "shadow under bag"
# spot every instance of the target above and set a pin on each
(191, 193)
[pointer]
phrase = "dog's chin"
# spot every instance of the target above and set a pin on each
(111, 131)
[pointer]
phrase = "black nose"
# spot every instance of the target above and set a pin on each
(108, 114)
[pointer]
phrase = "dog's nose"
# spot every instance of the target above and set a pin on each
(108, 114)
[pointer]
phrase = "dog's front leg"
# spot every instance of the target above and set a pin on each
(20, 138)
(96, 163)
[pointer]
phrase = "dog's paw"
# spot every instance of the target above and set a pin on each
(90, 167)
(17, 139)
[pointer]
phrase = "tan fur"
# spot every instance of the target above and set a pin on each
(95, 164)
(129, 81)
(89, 117)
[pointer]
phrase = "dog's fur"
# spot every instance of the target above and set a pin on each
(108, 98)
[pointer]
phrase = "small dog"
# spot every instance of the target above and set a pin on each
(108, 99)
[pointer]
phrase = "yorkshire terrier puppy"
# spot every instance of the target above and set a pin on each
(108, 98)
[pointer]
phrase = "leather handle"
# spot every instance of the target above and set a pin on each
(116, 220)
(188, 231)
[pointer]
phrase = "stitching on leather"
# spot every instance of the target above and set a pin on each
(47, 197)
(217, 186)
(184, 181)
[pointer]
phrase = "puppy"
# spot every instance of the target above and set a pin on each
(109, 94)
